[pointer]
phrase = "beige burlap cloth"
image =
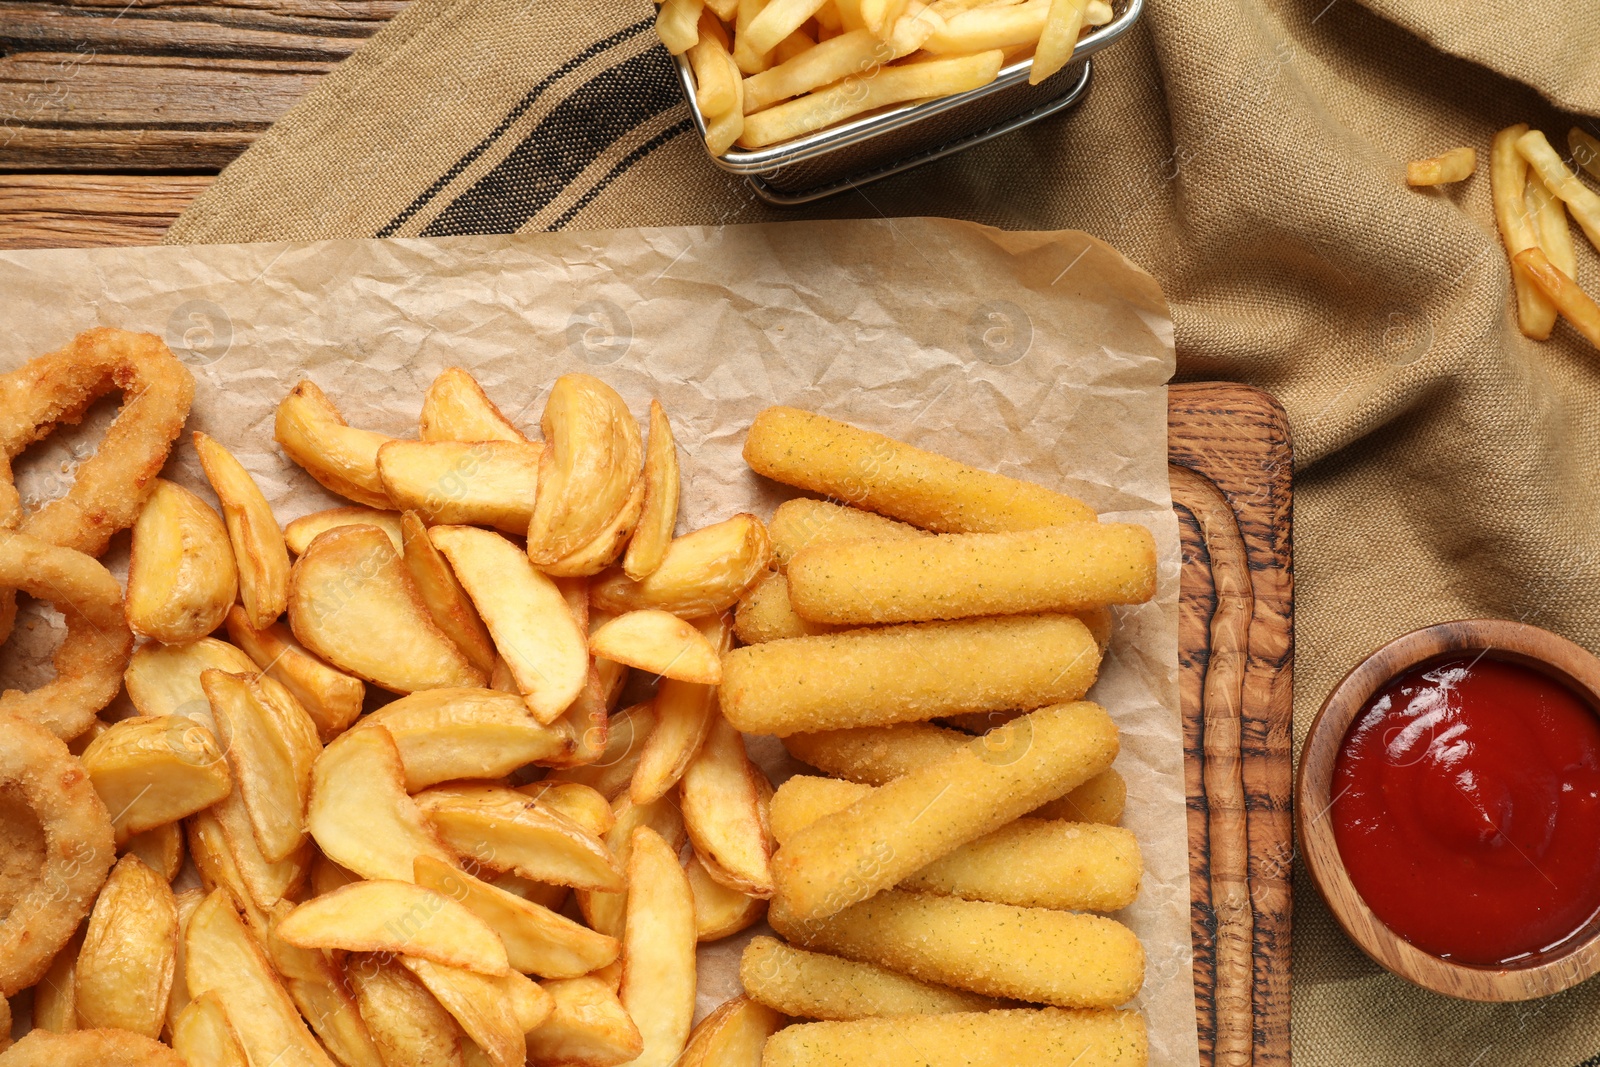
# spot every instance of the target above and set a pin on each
(1249, 154)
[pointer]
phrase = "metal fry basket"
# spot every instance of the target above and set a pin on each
(887, 142)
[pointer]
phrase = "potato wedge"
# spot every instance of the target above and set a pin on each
(724, 813)
(455, 408)
(152, 770)
(271, 745)
(304, 530)
(188, 902)
(485, 483)
(592, 457)
(613, 768)
(124, 969)
(684, 713)
(658, 950)
(446, 734)
(608, 544)
(447, 602)
(659, 519)
(530, 622)
(326, 876)
(407, 1023)
(732, 1036)
(536, 939)
(318, 990)
(660, 643)
(702, 573)
(496, 1013)
(400, 918)
(504, 830)
(588, 1028)
(55, 998)
(165, 679)
(331, 697)
(259, 552)
(344, 459)
(267, 881)
(605, 911)
(223, 957)
(352, 603)
(213, 861)
(360, 814)
(585, 723)
(181, 574)
(582, 804)
(161, 848)
(719, 911)
(202, 1035)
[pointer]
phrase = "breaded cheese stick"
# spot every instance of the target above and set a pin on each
(1064, 958)
(811, 985)
(766, 615)
(879, 754)
(917, 818)
(1037, 1036)
(1033, 863)
(957, 576)
(906, 673)
(802, 522)
(895, 479)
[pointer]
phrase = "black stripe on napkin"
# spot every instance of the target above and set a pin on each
(622, 165)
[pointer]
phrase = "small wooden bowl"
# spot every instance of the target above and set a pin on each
(1513, 642)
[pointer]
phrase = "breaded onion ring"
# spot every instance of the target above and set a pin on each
(89, 1048)
(36, 767)
(90, 661)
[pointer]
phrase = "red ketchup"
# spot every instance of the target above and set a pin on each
(1467, 809)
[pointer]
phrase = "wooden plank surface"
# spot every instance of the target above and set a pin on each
(91, 210)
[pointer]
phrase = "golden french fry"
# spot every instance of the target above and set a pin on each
(880, 474)
(396, 917)
(154, 770)
(181, 574)
(494, 1012)
(223, 957)
(910, 822)
(271, 744)
(407, 1022)
(812, 985)
(732, 1036)
(906, 673)
(490, 483)
(583, 804)
(716, 91)
(1452, 166)
(1508, 175)
(1549, 216)
(724, 813)
(1099, 13)
(1581, 201)
(505, 830)
(605, 911)
(360, 814)
(259, 551)
(588, 1027)
(684, 712)
(447, 602)
(124, 969)
(658, 945)
(803, 522)
(1058, 38)
(165, 679)
(532, 627)
(724, 129)
(352, 603)
(983, 28)
(951, 576)
(677, 24)
(447, 734)
(1083, 1038)
(304, 530)
(778, 19)
(703, 573)
(793, 45)
(658, 643)
(1585, 149)
(1575, 305)
(592, 443)
(719, 911)
(331, 697)
(455, 408)
(342, 458)
(1038, 955)
(839, 57)
(161, 848)
(202, 1034)
(747, 59)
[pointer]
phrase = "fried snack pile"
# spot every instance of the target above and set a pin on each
(394, 817)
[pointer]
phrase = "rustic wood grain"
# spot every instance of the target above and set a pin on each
(90, 210)
(1231, 466)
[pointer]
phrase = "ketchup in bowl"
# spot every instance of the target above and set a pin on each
(1467, 810)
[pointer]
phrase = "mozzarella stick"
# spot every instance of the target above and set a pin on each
(766, 615)
(907, 824)
(812, 985)
(878, 754)
(967, 1039)
(1040, 955)
(1034, 863)
(802, 522)
(907, 673)
(890, 477)
(957, 576)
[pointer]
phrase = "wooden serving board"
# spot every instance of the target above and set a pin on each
(1231, 463)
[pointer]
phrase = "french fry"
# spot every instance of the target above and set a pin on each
(304, 530)
(1452, 166)
(447, 602)
(684, 713)
(778, 19)
(605, 911)
(658, 643)
(611, 772)
(732, 1036)
(989, 27)
(258, 548)
(1099, 13)
(407, 1022)
(331, 697)
(161, 848)
(725, 128)
(906, 673)
(271, 745)
(181, 574)
(658, 946)
(905, 825)
(592, 444)
(719, 911)
(202, 1034)
(588, 1027)
(676, 24)
(716, 91)
(748, 60)
(703, 573)
(1058, 38)
(802, 522)
(124, 969)
(153, 770)
(1585, 149)
(399, 918)
(1575, 305)
(793, 45)
(880, 474)
(342, 458)
(988, 1039)
(852, 96)
(1039, 955)
(505, 830)
(1549, 216)
(1581, 201)
(725, 814)
(447, 734)
(490, 483)
(455, 408)
(812, 985)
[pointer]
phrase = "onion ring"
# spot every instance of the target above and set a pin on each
(36, 766)
(89, 1048)
(113, 484)
(93, 655)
